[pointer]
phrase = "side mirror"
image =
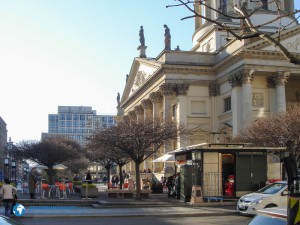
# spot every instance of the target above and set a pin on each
(285, 193)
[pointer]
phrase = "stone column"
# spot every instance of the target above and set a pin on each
(281, 80)
(156, 99)
(236, 82)
(168, 91)
(181, 108)
(139, 111)
(247, 98)
(147, 106)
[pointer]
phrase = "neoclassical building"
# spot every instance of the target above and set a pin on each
(220, 85)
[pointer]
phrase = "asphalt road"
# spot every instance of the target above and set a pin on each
(203, 220)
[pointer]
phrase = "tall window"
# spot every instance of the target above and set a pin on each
(227, 104)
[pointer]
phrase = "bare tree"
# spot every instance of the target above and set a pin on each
(50, 152)
(138, 140)
(247, 29)
(97, 153)
(77, 165)
(281, 130)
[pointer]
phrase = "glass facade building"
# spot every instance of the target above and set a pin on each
(77, 123)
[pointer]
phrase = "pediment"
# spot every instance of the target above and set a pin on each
(141, 71)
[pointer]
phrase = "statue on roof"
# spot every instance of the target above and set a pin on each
(167, 38)
(142, 37)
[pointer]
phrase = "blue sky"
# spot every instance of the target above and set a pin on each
(75, 52)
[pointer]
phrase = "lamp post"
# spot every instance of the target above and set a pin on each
(13, 171)
(6, 168)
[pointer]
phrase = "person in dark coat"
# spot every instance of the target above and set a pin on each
(32, 182)
(88, 177)
(170, 185)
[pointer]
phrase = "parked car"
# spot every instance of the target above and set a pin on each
(8, 221)
(272, 195)
(270, 216)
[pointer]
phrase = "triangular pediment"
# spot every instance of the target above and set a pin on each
(141, 71)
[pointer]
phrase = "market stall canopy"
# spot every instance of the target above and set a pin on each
(165, 158)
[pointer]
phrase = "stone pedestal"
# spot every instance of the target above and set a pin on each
(142, 50)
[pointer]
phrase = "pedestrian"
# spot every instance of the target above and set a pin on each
(7, 195)
(170, 185)
(177, 185)
(32, 182)
(88, 177)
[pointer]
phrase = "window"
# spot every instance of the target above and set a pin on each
(227, 104)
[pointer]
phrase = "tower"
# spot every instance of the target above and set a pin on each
(210, 37)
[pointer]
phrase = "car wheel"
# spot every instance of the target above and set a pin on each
(270, 205)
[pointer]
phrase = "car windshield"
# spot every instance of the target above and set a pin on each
(272, 188)
(267, 220)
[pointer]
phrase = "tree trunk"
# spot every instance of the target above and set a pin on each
(121, 176)
(50, 173)
(137, 181)
(108, 178)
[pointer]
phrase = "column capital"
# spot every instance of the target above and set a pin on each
(282, 77)
(132, 115)
(146, 104)
(138, 110)
(181, 89)
(247, 76)
(155, 97)
(168, 88)
(235, 80)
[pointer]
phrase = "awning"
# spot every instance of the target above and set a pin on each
(165, 158)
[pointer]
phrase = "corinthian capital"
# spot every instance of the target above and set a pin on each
(155, 97)
(167, 89)
(181, 89)
(235, 79)
(146, 104)
(248, 76)
(282, 78)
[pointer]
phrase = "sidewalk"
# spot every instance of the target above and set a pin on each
(155, 205)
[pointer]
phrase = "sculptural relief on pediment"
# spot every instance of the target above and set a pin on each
(139, 80)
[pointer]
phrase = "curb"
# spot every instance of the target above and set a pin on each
(166, 215)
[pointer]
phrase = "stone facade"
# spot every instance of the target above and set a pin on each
(215, 91)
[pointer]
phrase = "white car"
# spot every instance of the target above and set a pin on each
(272, 195)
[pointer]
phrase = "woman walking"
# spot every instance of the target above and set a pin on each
(7, 191)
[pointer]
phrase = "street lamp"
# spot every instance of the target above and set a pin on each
(14, 171)
(6, 168)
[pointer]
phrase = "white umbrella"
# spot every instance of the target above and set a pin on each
(165, 158)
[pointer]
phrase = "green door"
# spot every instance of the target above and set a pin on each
(251, 170)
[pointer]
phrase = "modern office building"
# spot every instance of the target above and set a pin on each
(3, 142)
(77, 123)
